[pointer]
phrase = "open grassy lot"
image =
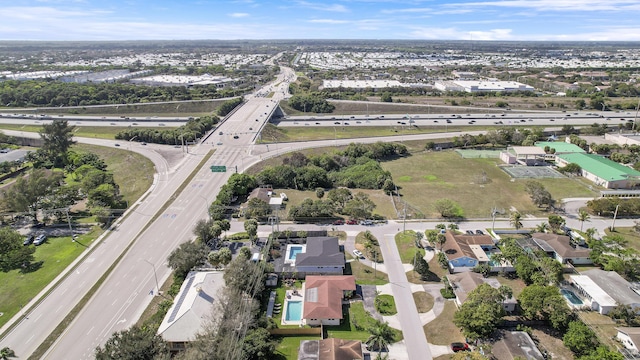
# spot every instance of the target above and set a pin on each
(552, 344)
(100, 132)
(424, 302)
(602, 325)
(517, 285)
(17, 289)
(427, 177)
(364, 274)
(406, 242)
(132, 172)
(442, 331)
(436, 269)
(290, 345)
(386, 304)
(632, 237)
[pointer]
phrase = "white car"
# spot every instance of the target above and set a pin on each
(358, 254)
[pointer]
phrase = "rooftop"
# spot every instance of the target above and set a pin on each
(321, 251)
(560, 146)
(560, 244)
(323, 296)
(614, 285)
(516, 344)
(601, 166)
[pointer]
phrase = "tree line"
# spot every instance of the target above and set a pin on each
(191, 131)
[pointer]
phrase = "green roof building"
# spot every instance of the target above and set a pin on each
(602, 171)
(560, 146)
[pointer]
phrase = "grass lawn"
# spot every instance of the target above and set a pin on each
(552, 344)
(289, 346)
(436, 269)
(17, 289)
(424, 302)
(516, 285)
(603, 326)
(406, 242)
(632, 237)
(365, 275)
(386, 305)
(100, 132)
(442, 331)
(374, 254)
(427, 177)
(131, 171)
(355, 323)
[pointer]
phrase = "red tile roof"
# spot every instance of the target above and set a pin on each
(323, 296)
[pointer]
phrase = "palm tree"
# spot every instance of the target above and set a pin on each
(590, 232)
(381, 336)
(515, 220)
(441, 239)
(542, 227)
(453, 227)
(583, 216)
(6, 353)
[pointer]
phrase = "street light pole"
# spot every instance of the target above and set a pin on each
(154, 275)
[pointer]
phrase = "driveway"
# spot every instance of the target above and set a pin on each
(369, 293)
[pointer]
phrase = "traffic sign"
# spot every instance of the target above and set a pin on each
(216, 168)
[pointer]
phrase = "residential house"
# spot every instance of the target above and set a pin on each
(322, 255)
(465, 282)
(330, 349)
(464, 252)
(606, 290)
(515, 345)
(560, 248)
(191, 308)
(323, 297)
(630, 338)
(266, 195)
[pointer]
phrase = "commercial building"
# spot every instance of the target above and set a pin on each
(472, 86)
(602, 171)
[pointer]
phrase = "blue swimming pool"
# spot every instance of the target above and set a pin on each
(294, 311)
(575, 300)
(294, 251)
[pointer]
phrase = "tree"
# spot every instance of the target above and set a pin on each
(339, 197)
(258, 345)
(480, 313)
(319, 193)
(203, 230)
(447, 208)
(134, 344)
(542, 227)
(57, 137)
(28, 192)
(545, 303)
(13, 255)
(441, 239)
(580, 339)
(626, 313)
(6, 353)
(571, 168)
(539, 195)
(359, 207)
(225, 256)
(251, 227)
(603, 353)
(420, 265)
(256, 208)
(386, 97)
(381, 336)
(187, 256)
(514, 219)
(583, 216)
(556, 222)
(389, 187)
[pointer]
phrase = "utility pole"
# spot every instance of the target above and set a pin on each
(154, 275)
(613, 223)
(404, 218)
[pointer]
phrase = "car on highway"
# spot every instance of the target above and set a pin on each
(366, 222)
(28, 240)
(458, 346)
(41, 239)
(336, 123)
(117, 144)
(144, 143)
(219, 143)
(358, 254)
(220, 133)
(236, 136)
(352, 222)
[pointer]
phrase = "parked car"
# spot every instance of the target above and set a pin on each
(352, 222)
(40, 239)
(458, 346)
(358, 254)
(28, 240)
(479, 232)
(366, 222)
(338, 222)
(469, 232)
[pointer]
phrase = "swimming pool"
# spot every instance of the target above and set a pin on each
(294, 311)
(575, 300)
(293, 251)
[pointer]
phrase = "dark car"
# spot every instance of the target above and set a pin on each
(28, 240)
(458, 346)
(338, 222)
(40, 239)
(236, 136)
(479, 232)
(469, 232)
(220, 133)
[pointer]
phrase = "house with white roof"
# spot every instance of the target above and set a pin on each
(606, 290)
(191, 309)
(630, 338)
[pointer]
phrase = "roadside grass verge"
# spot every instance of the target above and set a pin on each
(17, 289)
(427, 177)
(442, 330)
(364, 274)
(630, 235)
(48, 342)
(406, 242)
(99, 132)
(355, 324)
(424, 301)
(386, 305)
(374, 253)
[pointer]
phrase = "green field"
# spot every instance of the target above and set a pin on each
(476, 185)
(99, 132)
(17, 289)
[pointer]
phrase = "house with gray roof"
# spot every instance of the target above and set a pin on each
(191, 309)
(322, 255)
(515, 345)
(560, 248)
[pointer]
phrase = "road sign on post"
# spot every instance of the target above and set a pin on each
(216, 168)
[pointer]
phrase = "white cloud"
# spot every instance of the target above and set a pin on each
(557, 5)
(407, 10)
(452, 33)
(238, 15)
(328, 21)
(323, 7)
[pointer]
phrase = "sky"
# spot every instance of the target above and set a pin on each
(514, 20)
